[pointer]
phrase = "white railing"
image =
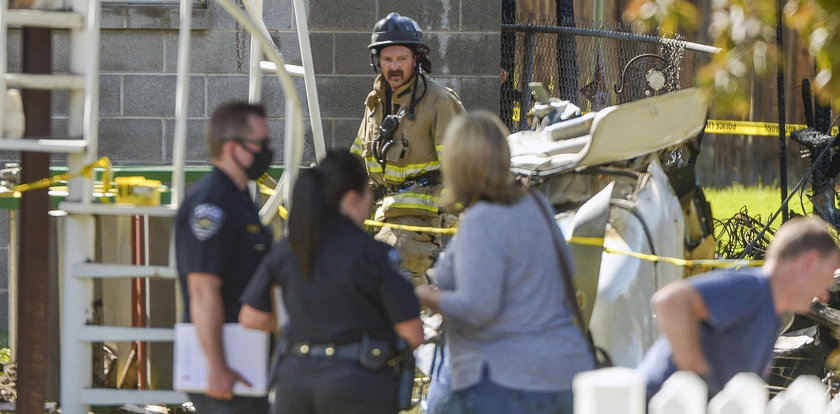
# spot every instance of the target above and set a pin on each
(621, 390)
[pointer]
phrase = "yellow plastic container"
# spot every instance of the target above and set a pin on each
(138, 191)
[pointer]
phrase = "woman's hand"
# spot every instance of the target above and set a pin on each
(429, 297)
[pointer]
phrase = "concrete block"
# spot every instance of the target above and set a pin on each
(58, 128)
(131, 141)
(321, 46)
(154, 95)
(277, 125)
(337, 15)
(4, 232)
(4, 272)
(224, 88)
(480, 93)
(114, 18)
(109, 97)
(212, 51)
(323, 50)
(343, 96)
(197, 152)
(452, 82)
(344, 132)
(4, 310)
(435, 15)
(145, 47)
(277, 14)
(481, 16)
(275, 99)
(219, 18)
(13, 50)
(465, 54)
(164, 18)
(61, 51)
(287, 42)
(351, 54)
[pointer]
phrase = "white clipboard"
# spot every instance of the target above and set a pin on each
(246, 351)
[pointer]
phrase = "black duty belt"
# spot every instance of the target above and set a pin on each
(348, 352)
(426, 179)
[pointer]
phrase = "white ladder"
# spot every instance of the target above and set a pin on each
(78, 272)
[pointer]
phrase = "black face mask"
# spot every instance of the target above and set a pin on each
(261, 160)
(260, 163)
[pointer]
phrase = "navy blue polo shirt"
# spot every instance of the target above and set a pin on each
(354, 288)
(218, 231)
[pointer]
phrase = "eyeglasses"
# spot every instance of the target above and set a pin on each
(264, 142)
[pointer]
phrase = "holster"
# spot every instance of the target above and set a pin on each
(405, 387)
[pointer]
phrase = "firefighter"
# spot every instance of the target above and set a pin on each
(400, 137)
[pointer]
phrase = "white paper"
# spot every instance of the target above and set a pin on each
(246, 351)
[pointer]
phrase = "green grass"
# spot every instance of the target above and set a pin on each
(760, 201)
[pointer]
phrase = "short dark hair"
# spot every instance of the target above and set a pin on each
(802, 234)
(230, 121)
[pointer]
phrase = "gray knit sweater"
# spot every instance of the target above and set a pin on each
(504, 301)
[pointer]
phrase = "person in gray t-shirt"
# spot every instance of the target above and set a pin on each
(513, 344)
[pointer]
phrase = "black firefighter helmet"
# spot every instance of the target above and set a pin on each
(397, 30)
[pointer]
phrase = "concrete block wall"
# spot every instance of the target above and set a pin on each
(138, 60)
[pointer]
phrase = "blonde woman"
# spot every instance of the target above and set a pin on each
(513, 344)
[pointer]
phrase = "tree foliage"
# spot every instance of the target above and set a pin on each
(745, 31)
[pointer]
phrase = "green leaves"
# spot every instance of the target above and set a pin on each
(745, 30)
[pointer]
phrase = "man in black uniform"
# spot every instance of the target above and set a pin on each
(220, 242)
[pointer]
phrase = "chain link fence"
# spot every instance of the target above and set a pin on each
(593, 67)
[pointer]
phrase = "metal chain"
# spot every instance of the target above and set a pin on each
(239, 42)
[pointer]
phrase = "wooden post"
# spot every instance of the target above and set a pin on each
(33, 276)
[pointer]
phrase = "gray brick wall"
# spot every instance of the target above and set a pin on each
(138, 60)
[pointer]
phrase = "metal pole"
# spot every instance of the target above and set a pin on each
(780, 85)
(34, 229)
(138, 297)
(182, 101)
(525, 97)
(606, 34)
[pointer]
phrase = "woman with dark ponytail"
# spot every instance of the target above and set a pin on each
(347, 303)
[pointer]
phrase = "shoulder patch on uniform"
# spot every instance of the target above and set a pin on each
(206, 220)
(394, 257)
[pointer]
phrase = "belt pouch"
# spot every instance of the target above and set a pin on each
(373, 353)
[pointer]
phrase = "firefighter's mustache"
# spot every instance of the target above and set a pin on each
(396, 72)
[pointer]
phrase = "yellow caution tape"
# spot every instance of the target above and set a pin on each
(588, 241)
(86, 171)
(422, 229)
(265, 189)
(754, 128)
(714, 263)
